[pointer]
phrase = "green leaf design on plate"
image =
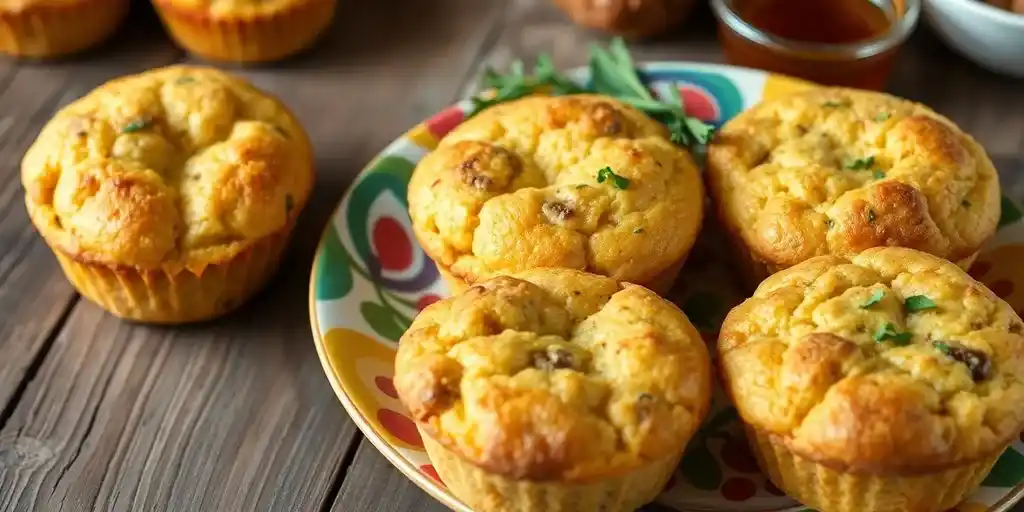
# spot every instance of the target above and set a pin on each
(1011, 212)
(1008, 471)
(700, 467)
(333, 274)
(382, 319)
(388, 174)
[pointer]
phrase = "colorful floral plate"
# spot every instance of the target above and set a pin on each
(370, 278)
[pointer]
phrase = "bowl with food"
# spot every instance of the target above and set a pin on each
(989, 32)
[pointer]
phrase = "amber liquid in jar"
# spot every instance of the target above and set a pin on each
(810, 23)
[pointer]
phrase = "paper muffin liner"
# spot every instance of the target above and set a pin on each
(180, 295)
(247, 39)
(661, 284)
(486, 492)
(47, 30)
(828, 490)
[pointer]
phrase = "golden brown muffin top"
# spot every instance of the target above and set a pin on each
(894, 361)
(835, 171)
(521, 185)
(555, 374)
(175, 166)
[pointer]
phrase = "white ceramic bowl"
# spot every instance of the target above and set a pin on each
(989, 36)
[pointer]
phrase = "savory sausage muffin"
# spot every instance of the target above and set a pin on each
(582, 182)
(887, 381)
(55, 28)
(245, 31)
(554, 390)
(169, 196)
(836, 171)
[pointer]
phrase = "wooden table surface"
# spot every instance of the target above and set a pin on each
(236, 414)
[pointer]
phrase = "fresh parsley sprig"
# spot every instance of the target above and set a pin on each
(612, 73)
(517, 84)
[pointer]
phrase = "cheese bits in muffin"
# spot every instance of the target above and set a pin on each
(890, 380)
(554, 390)
(169, 196)
(837, 171)
(582, 182)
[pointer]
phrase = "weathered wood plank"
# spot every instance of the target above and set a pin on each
(34, 297)
(372, 484)
(236, 414)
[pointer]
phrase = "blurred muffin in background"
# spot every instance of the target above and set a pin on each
(628, 18)
(245, 31)
(54, 28)
(169, 196)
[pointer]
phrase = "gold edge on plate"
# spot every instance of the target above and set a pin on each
(396, 459)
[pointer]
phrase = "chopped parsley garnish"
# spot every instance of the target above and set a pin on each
(836, 104)
(883, 116)
(942, 347)
(136, 125)
(620, 182)
(878, 174)
(871, 216)
(860, 164)
(185, 80)
(612, 73)
(875, 298)
(916, 303)
(888, 332)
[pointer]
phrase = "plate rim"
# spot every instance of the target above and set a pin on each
(389, 451)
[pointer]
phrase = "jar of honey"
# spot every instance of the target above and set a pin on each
(849, 43)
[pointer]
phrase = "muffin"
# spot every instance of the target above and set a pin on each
(55, 28)
(581, 181)
(886, 381)
(169, 196)
(245, 31)
(554, 390)
(836, 171)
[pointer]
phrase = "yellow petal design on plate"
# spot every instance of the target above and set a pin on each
(422, 137)
(781, 85)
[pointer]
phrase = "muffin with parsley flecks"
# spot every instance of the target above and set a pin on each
(554, 390)
(246, 31)
(578, 181)
(889, 380)
(56, 28)
(836, 171)
(169, 196)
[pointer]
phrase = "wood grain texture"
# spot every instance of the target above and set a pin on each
(34, 297)
(236, 414)
(373, 484)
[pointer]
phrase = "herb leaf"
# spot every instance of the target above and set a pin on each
(878, 174)
(136, 125)
(875, 298)
(516, 84)
(882, 116)
(606, 173)
(860, 164)
(942, 347)
(888, 332)
(916, 303)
